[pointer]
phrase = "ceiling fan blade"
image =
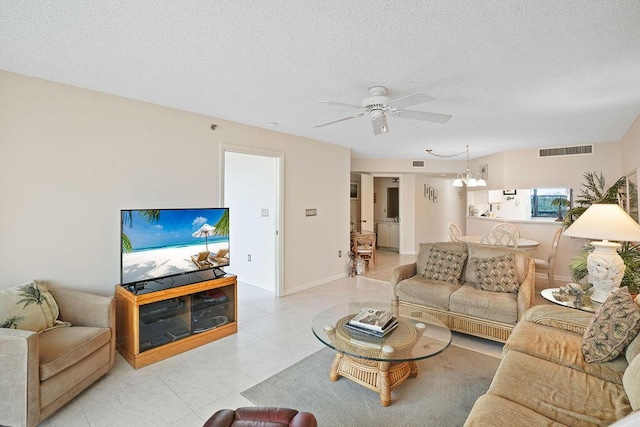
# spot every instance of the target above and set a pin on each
(410, 100)
(423, 115)
(380, 125)
(355, 116)
(341, 104)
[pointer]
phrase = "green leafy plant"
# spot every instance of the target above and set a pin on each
(560, 202)
(151, 215)
(594, 191)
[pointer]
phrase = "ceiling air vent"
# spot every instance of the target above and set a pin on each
(576, 150)
(417, 163)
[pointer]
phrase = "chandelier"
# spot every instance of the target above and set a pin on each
(467, 177)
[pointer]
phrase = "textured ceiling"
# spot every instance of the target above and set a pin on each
(513, 74)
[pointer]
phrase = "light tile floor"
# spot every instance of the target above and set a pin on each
(274, 333)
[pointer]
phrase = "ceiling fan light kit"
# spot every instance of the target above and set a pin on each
(378, 105)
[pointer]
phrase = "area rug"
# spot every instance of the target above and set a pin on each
(442, 394)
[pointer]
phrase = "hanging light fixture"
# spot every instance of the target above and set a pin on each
(467, 177)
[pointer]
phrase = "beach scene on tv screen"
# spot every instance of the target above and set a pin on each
(165, 242)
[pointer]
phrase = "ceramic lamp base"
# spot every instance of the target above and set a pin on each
(606, 269)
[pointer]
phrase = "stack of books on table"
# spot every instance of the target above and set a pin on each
(373, 322)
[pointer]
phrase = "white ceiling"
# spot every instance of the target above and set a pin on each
(514, 74)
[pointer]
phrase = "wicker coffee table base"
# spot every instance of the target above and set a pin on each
(381, 377)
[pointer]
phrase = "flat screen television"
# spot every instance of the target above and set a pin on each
(158, 245)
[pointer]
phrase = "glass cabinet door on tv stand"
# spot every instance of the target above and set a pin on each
(151, 326)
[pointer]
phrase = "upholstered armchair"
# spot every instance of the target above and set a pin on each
(42, 371)
(261, 417)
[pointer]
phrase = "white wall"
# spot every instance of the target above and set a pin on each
(432, 218)
(630, 148)
(524, 169)
(71, 158)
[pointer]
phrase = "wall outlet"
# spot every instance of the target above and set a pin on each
(249, 257)
(339, 254)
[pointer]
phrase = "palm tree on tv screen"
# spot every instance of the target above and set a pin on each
(151, 215)
(222, 227)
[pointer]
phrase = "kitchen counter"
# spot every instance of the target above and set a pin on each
(551, 221)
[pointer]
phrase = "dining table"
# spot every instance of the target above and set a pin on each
(526, 244)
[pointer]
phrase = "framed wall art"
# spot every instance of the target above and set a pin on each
(354, 191)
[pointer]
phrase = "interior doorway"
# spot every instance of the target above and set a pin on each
(387, 212)
(252, 190)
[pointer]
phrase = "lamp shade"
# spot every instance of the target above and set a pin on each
(605, 222)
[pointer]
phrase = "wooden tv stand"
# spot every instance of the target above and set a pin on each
(153, 326)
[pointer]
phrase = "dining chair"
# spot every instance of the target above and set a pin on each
(508, 227)
(551, 258)
(365, 248)
(500, 237)
(454, 232)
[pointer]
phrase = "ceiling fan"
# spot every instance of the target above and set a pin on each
(378, 105)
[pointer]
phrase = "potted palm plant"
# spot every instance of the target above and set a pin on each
(595, 191)
(561, 203)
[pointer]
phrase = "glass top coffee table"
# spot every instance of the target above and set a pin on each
(380, 364)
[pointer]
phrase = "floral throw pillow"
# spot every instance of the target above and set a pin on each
(496, 274)
(29, 307)
(445, 265)
(614, 325)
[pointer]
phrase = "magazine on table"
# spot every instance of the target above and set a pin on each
(370, 332)
(373, 319)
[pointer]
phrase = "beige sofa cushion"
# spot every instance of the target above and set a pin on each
(486, 251)
(430, 293)
(29, 307)
(63, 347)
(560, 393)
(496, 306)
(631, 382)
(491, 411)
(561, 347)
(613, 327)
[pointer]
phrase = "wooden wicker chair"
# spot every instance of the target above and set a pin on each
(365, 248)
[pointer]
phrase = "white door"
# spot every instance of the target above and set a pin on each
(366, 202)
(251, 192)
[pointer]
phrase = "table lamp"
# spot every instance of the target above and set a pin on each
(605, 222)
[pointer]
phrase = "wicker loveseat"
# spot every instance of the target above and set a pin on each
(458, 303)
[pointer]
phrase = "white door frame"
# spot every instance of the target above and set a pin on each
(279, 238)
(400, 203)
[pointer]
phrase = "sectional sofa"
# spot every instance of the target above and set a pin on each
(544, 378)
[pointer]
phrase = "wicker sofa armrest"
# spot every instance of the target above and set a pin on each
(399, 274)
(526, 293)
(565, 318)
(19, 377)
